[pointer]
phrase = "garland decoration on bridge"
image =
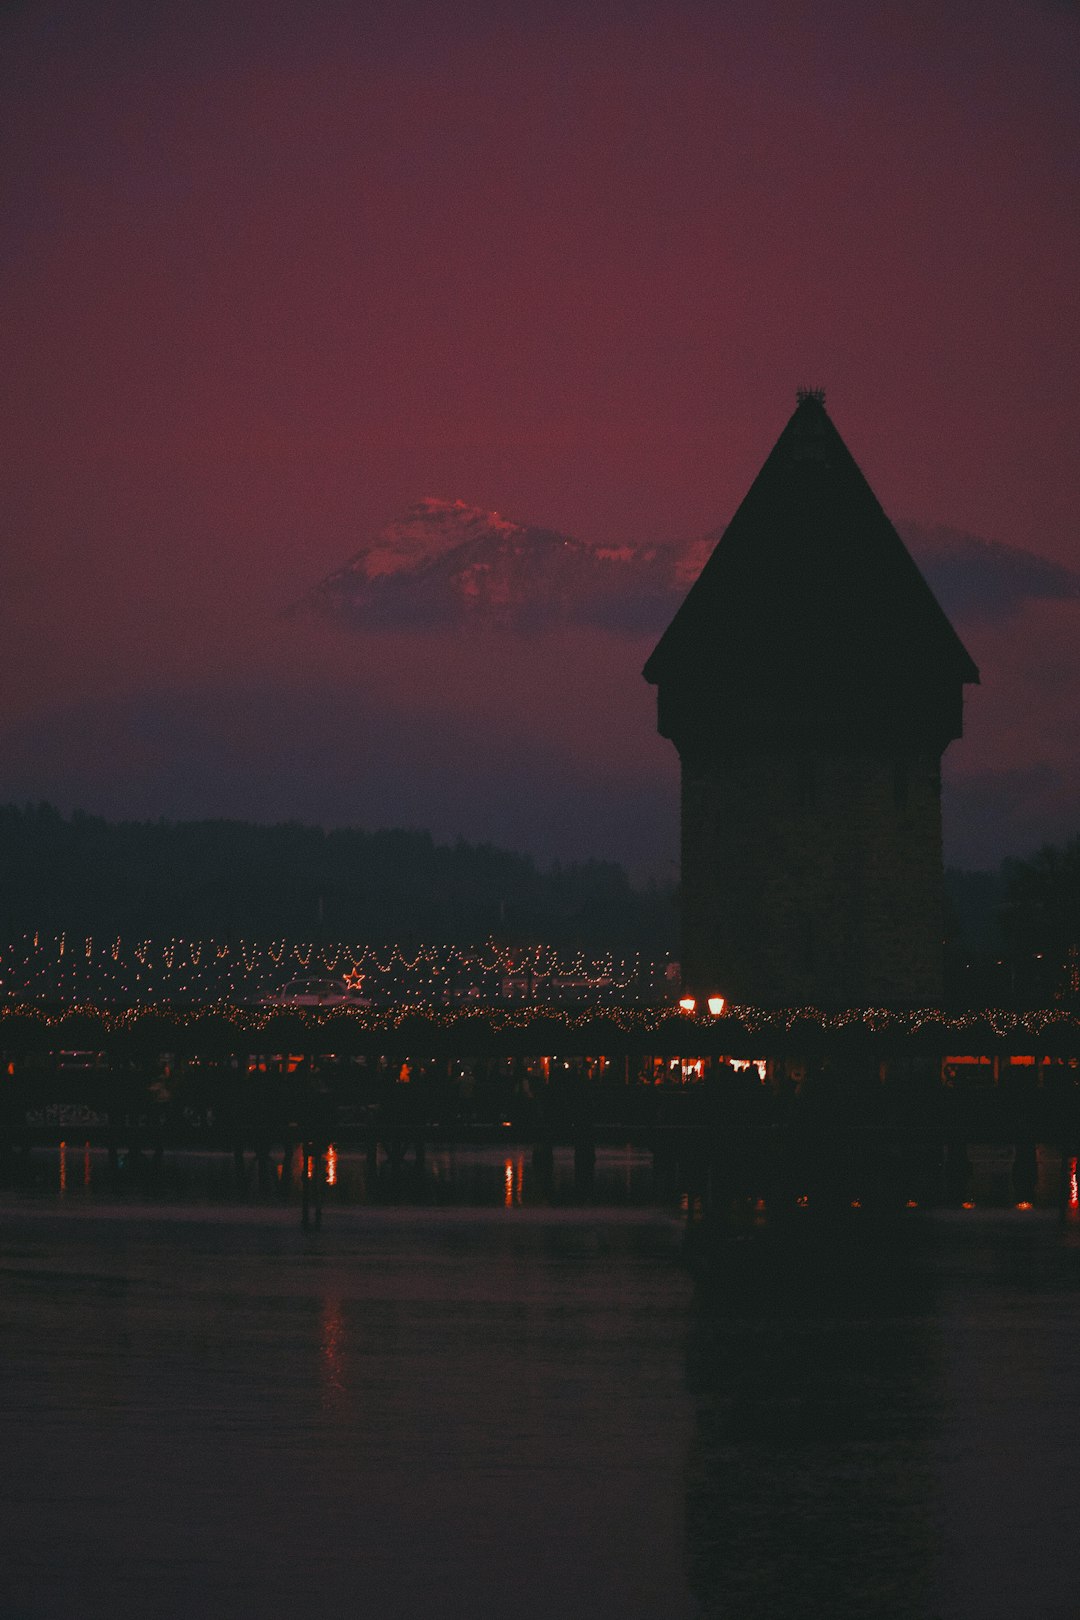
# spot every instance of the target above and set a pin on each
(739, 1024)
(64, 968)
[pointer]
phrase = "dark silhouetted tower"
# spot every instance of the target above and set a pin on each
(811, 683)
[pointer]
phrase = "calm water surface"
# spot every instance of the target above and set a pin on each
(492, 1395)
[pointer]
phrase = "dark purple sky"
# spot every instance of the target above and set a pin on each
(274, 271)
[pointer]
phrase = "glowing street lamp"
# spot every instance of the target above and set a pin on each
(687, 1004)
(716, 1005)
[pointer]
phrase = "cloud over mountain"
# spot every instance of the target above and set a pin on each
(976, 579)
(446, 564)
(543, 744)
(475, 594)
(480, 676)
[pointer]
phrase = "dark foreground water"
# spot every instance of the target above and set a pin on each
(538, 1408)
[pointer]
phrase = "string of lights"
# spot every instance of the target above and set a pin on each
(645, 1021)
(141, 971)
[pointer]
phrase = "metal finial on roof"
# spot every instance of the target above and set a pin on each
(816, 394)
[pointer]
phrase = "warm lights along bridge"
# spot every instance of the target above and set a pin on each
(751, 1104)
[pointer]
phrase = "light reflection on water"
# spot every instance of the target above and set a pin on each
(416, 1412)
(994, 1178)
(332, 1346)
(452, 1175)
(500, 1389)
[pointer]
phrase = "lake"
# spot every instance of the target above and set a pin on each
(479, 1389)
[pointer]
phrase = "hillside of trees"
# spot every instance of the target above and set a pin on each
(84, 874)
(1013, 935)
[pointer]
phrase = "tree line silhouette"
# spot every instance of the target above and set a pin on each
(1013, 935)
(83, 873)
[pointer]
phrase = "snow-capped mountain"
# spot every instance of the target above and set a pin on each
(448, 564)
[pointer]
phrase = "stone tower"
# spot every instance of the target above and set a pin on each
(811, 683)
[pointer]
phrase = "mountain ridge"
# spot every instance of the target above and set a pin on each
(447, 564)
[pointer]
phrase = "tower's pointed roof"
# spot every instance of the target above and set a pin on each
(810, 586)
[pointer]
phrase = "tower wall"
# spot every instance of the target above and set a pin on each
(813, 877)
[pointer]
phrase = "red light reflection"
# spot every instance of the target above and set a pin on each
(332, 1352)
